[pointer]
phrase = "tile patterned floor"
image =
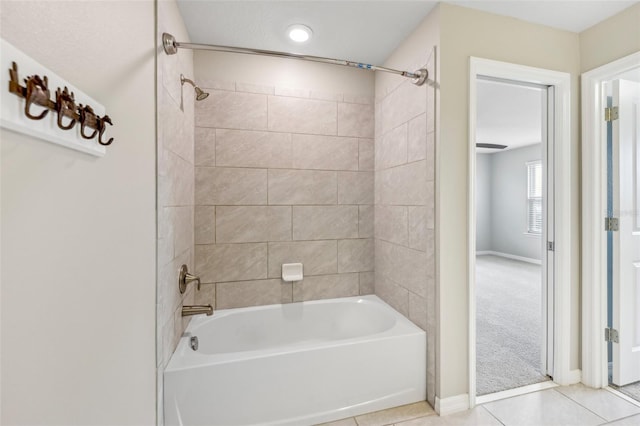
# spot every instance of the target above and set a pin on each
(575, 405)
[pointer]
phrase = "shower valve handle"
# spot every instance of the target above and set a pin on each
(185, 278)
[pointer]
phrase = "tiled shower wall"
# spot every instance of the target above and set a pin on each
(282, 176)
(404, 206)
(175, 149)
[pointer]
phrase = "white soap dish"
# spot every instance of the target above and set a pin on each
(292, 271)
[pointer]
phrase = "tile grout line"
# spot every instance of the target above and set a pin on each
(580, 405)
(491, 414)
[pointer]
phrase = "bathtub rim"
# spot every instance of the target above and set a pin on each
(185, 358)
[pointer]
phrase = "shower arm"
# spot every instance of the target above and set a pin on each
(171, 46)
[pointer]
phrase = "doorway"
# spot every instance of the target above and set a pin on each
(550, 207)
(514, 185)
(623, 233)
(611, 251)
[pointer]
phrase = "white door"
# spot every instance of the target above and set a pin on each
(626, 242)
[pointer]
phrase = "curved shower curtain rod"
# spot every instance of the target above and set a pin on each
(171, 46)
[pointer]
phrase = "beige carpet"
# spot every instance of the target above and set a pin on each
(508, 323)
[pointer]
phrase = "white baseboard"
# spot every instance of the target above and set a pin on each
(509, 256)
(575, 376)
(453, 404)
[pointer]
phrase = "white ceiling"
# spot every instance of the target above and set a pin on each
(508, 114)
(365, 31)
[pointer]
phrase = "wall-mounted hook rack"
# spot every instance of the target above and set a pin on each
(48, 107)
(36, 92)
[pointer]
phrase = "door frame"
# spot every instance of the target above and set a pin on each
(594, 206)
(561, 82)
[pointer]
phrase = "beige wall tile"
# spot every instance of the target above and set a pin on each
(183, 229)
(302, 116)
(326, 96)
(293, 92)
(206, 295)
(431, 154)
(417, 138)
(254, 88)
(178, 187)
(396, 186)
(358, 99)
(355, 188)
(418, 310)
(430, 205)
(244, 224)
(326, 287)
(397, 297)
(317, 257)
(252, 293)
(325, 222)
(205, 149)
(405, 266)
(355, 255)
(302, 187)
(227, 186)
(232, 110)
(366, 220)
(418, 228)
(231, 262)
(392, 224)
(401, 105)
(355, 120)
(391, 148)
(205, 225)
(176, 128)
(325, 152)
(245, 148)
(366, 155)
(210, 83)
(367, 283)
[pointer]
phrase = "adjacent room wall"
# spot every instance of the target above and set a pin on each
(284, 174)
(509, 203)
(611, 39)
(465, 33)
(404, 191)
(483, 202)
(175, 170)
(78, 232)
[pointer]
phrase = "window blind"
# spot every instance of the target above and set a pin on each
(534, 197)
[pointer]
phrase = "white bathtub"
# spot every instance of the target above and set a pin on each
(295, 364)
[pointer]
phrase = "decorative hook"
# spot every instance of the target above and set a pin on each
(38, 93)
(66, 106)
(102, 127)
(88, 119)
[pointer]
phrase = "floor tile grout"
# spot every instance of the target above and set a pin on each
(579, 404)
(491, 414)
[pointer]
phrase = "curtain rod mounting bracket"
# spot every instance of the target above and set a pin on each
(169, 44)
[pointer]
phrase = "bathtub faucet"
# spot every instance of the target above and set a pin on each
(197, 310)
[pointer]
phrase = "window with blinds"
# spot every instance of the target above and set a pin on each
(534, 197)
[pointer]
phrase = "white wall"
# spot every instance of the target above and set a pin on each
(509, 203)
(483, 202)
(78, 233)
(501, 203)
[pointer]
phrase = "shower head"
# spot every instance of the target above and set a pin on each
(200, 94)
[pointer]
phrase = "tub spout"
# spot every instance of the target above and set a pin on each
(197, 310)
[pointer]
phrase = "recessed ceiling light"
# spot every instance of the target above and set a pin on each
(299, 33)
